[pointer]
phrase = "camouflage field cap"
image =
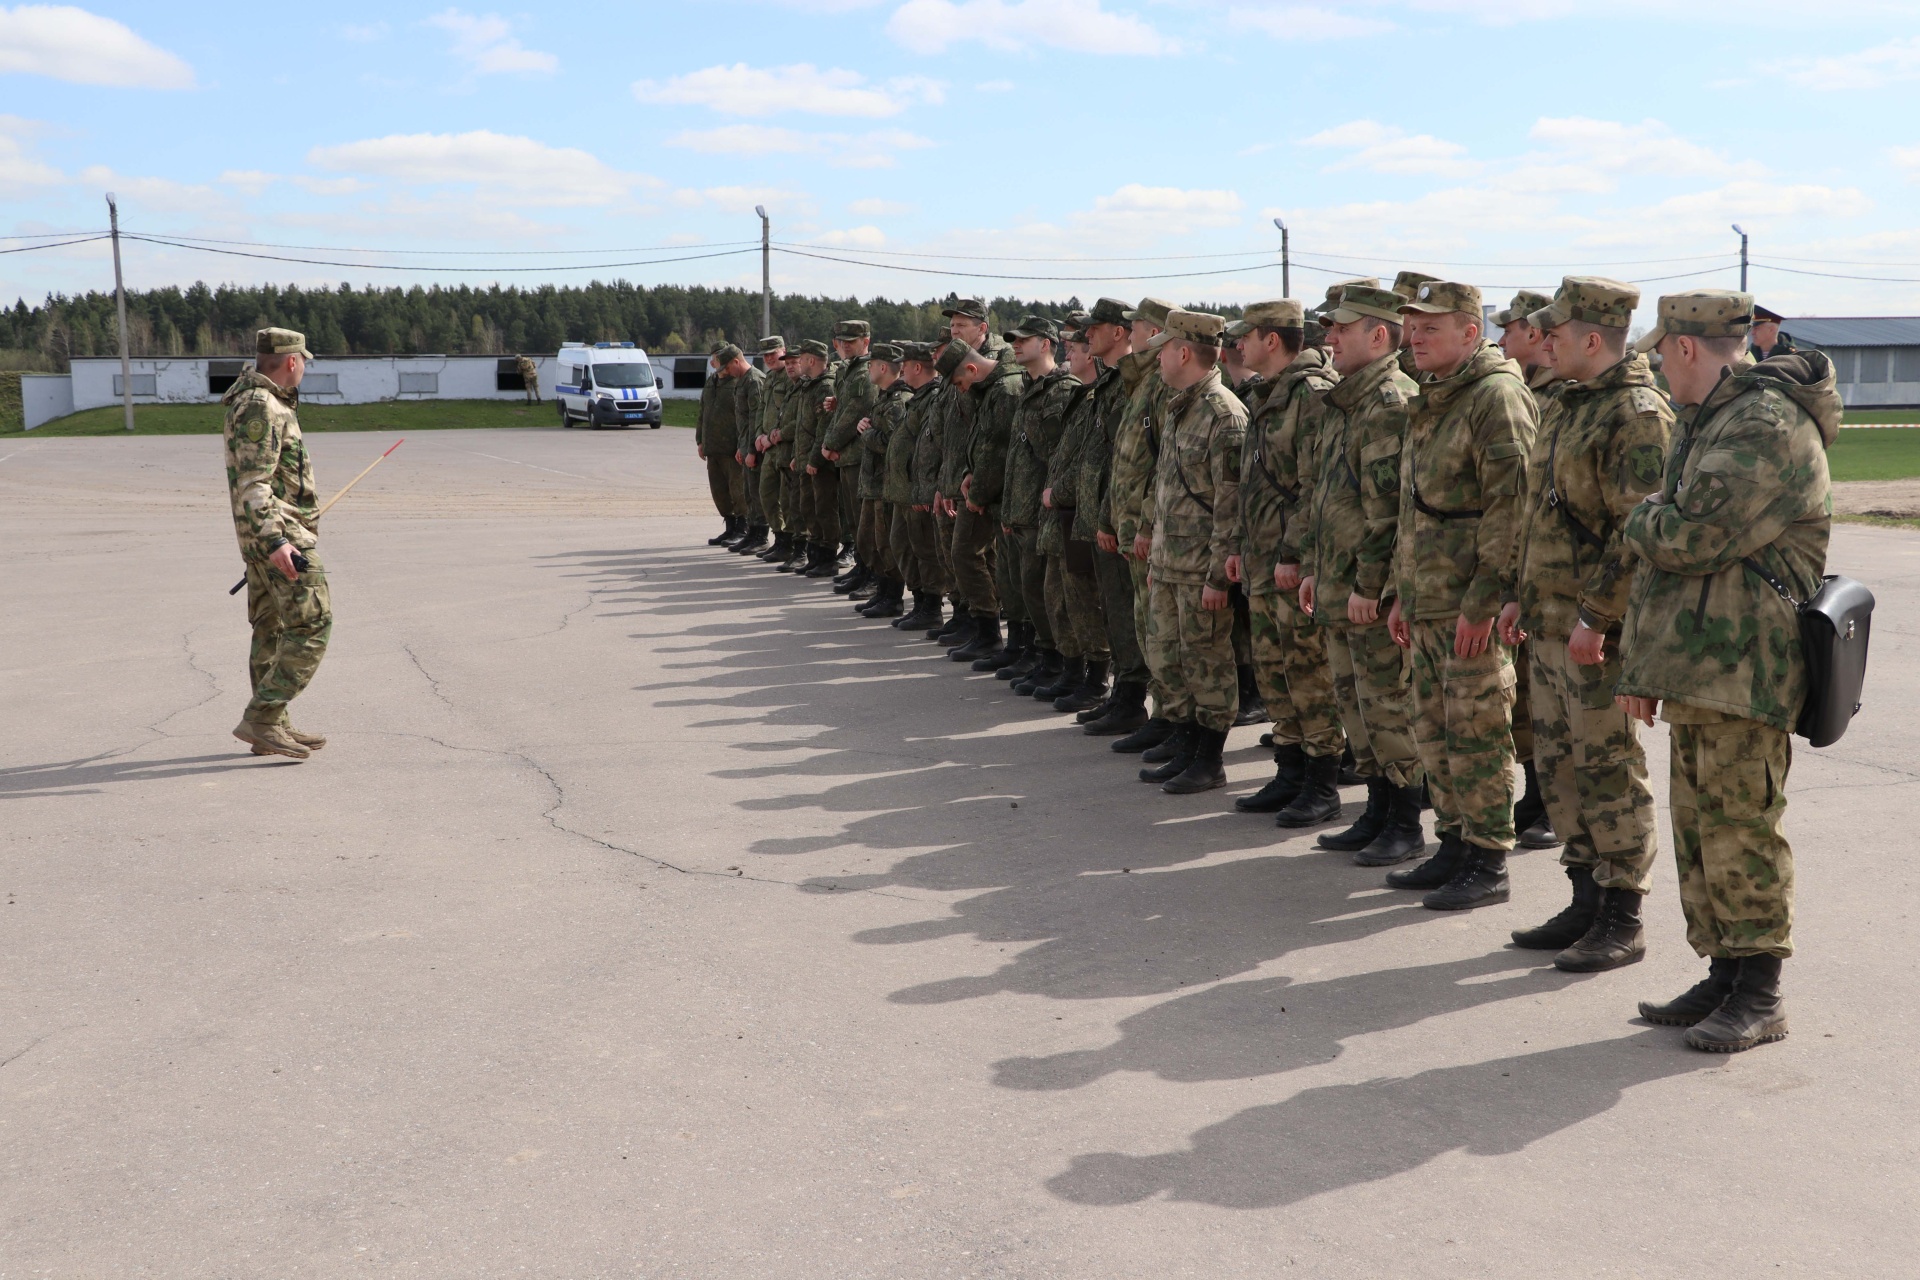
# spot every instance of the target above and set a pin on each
(1107, 311)
(280, 342)
(1333, 290)
(1359, 300)
(1074, 333)
(1202, 328)
(1591, 300)
(726, 354)
(1524, 304)
(1033, 327)
(813, 347)
(952, 357)
(888, 351)
(972, 308)
(1153, 310)
(1441, 296)
(1407, 283)
(918, 352)
(852, 330)
(1701, 313)
(1280, 313)
(943, 334)
(770, 345)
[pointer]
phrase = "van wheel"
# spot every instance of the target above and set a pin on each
(656, 426)
(566, 419)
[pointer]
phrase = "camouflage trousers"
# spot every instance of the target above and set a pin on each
(872, 539)
(1073, 602)
(800, 517)
(1593, 773)
(906, 565)
(1007, 571)
(1024, 570)
(773, 494)
(924, 532)
(1143, 628)
(1728, 794)
(727, 483)
(975, 539)
(1290, 665)
(1522, 707)
(1190, 649)
(750, 482)
(1463, 728)
(1242, 625)
(291, 624)
(831, 502)
(1116, 605)
(1371, 686)
(943, 527)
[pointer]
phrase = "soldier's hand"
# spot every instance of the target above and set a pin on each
(1470, 639)
(1212, 599)
(1007, 529)
(978, 511)
(1510, 632)
(282, 559)
(922, 507)
(1587, 646)
(1307, 593)
(1046, 498)
(1142, 547)
(1397, 627)
(701, 450)
(1286, 576)
(1233, 569)
(829, 455)
(966, 485)
(1361, 611)
(829, 402)
(1637, 708)
(1107, 543)
(812, 470)
(864, 425)
(760, 443)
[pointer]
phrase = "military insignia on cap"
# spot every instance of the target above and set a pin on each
(1426, 291)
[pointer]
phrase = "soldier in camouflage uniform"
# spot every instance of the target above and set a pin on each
(716, 441)
(1129, 515)
(1344, 578)
(1460, 477)
(1290, 653)
(801, 423)
(529, 377)
(916, 382)
(1746, 499)
(1037, 425)
(270, 483)
(1072, 587)
(879, 594)
(1601, 449)
(926, 426)
(1196, 526)
(750, 394)
(970, 555)
(772, 453)
(835, 465)
(987, 396)
(1406, 284)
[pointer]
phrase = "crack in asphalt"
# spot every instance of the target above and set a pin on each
(432, 683)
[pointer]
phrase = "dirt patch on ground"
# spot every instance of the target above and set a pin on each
(1894, 499)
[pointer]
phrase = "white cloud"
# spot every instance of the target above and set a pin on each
(873, 150)
(1305, 22)
(1896, 60)
(854, 238)
(1647, 147)
(994, 86)
(249, 181)
(742, 199)
(1907, 158)
(163, 194)
(65, 43)
(1381, 148)
(20, 169)
(332, 186)
(741, 90)
(1135, 212)
(879, 208)
(502, 165)
(487, 45)
(1014, 26)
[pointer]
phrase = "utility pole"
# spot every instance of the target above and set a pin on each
(766, 272)
(1743, 256)
(1286, 267)
(120, 298)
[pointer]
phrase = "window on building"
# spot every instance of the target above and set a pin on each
(144, 384)
(1906, 364)
(320, 384)
(222, 374)
(419, 384)
(1873, 364)
(1844, 363)
(506, 376)
(689, 375)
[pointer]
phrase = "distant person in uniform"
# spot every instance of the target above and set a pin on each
(1766, 340)
(530, 376)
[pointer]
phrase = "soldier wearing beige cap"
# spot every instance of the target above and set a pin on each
(1406, 284)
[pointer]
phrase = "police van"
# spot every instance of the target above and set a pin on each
(606, 384)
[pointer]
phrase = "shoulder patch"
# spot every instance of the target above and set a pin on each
(1390, 394)
(1647, 401)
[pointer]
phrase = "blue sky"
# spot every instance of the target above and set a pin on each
(1505, 144)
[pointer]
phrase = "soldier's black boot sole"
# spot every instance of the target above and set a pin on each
(1145, 738)
(1752, 1014)
(1481, 881)
(1697, 1001)
(1571, 925)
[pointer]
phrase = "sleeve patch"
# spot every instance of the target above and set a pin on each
(1646, 463)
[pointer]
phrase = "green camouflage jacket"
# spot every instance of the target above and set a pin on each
(1601, 448)
(956, 440)
(995, 402)
(1747, 478)
(1276, 468)
(1196, 522)
(1090, 484)
(1352, 521)
(269, 476)
(853, 399)
(896, 483)
(722, 414)
(1460, 477)
(1080, 429)
(806, 418)
(773, 403)
(1136, 449)
(889, 407)
(703, 421)
(927, 424)
(1037, 426)
(749, 398)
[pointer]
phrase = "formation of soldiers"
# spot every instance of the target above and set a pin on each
(1422, 556)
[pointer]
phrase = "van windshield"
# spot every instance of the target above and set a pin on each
(623, 375)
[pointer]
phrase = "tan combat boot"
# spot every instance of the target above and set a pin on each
(270, 740)
(311, 741)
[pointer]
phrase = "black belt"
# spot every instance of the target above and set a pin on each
(1437, 513)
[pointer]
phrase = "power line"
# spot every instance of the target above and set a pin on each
(998, 275)
(995, 257)
(1834, 275)
(55, 235)
(58, 244)
(1553, 266)
(1531, 284)
(467, 270)
(491, 253)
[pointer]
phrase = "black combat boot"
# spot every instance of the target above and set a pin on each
(1253, 708)
(1028, 662)
(959, 628)
(886, 602)
(1087, 715)
(855, 572)
(1072, 672)
(1290, 770)
(1204, 769)
(729, 535)
(1530, 818)
(1435, 871)
(1574, 919)
(1401, 838)
(1126, 711)
(1372, 821)
(1614, 940)
(1479, 881)
(1090, 692)
(1698, 1000)
(1752, 1014)
(824, 565)
(847, 558)
(877, 595)
(799, 556)
(1318, 800)
(1171, 758)
(777, 553)
(1349, 769)
(1019, 645)
(1147, 737)
(862, 585)
(1045, 671)
(984, 641)
(926, 612)
(753, 543)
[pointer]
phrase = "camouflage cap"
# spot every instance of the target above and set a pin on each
(1074, 333)
(1333, 290)
(943, 334)
(1701, 313)
(951, 358)
(812, 347)
(1200, 327)
(1524, 304)
(1107, 311)
(852, 330)
(1153, 310)
(280, 342)
(1439, 297)
(1032, 326)
(772, 344)
(1076, 318)
(1281, 313)
(1590, 299)
(1358, 300)
(888, 351)
(725, 354)
(972, 308)
(1408, 282)
(918, 352)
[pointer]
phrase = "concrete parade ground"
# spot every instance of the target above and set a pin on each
(651, 915)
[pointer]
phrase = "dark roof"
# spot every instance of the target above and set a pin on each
(1854, 331)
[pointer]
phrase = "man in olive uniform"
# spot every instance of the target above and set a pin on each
(801, 424)
(1406, 284)
(1110, 341)
(1073, 587)
(1344, 578)
(529, 377)
(750, 401)
(1601, 449)
(1460, 477)
(1289, 652)
(835, 465)
(926, 425)
(270, 482)
(772, 453)
(714, 440)
(989, 394)
(1038, 422)
(1746, 504)
(1196, 526)
(873, 538)
(968, 327)
(896, 483)
(1128, 519)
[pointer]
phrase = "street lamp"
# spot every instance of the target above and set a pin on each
(1743, 256)
(1286, 268)
(766, 272)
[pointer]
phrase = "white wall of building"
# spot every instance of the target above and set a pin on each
(343, 380)
(45, 396)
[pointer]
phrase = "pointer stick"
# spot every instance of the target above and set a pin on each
(335, 498)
